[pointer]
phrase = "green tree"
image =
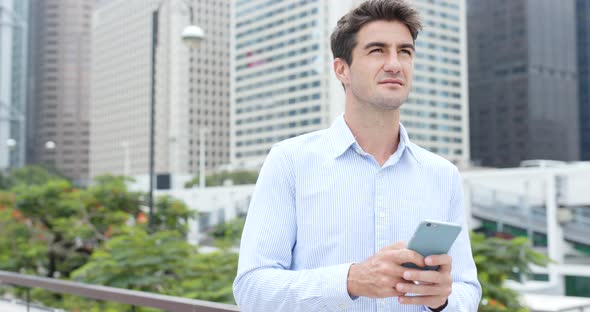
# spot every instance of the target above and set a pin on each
(210, 276)
(5, 182)
(28, 175)
(163, 262)
(23, 245)
(100, 235)
(171, 214)
(237, 177)
(228, 234)
(498, 259)
(75, 221)
(134, 259)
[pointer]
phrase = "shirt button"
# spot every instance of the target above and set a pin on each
(342, 306)
(382, 301)
(381, 214)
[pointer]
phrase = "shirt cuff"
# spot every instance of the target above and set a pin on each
(335, 287)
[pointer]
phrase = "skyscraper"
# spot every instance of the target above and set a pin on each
(583, 29)
(283, 84)
(523, 81)
(60, 98)
(192, 93)
(14, 24)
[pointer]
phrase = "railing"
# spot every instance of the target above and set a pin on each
(131, 297)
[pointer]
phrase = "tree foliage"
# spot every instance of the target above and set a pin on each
(100, 235)
(228, 234)
(497, 259)
(74, 221)
(30, 175)
(237, 177)
(22, 245)
(172, 214)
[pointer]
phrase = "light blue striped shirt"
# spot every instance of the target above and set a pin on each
(321, 203)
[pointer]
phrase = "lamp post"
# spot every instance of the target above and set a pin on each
(202, 134)
(192, 36)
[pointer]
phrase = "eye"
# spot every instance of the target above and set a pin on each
(407, 51)
(377, 50)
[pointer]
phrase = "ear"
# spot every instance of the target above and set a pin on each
(341, 70)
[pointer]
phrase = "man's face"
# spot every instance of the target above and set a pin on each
(382, 65)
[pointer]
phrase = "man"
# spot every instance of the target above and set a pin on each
(331, 210)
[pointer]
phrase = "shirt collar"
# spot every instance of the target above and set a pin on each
(342, 138)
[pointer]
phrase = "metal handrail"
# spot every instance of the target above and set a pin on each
(106, 293)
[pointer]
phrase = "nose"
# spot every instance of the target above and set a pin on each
(392, 64)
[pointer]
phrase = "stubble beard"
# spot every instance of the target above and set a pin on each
(385, 104)
(379, 102)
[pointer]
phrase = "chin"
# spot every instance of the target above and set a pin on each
(389, 104)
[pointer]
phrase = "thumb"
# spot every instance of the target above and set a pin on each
(397, 246)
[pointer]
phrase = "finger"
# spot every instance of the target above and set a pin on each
(388, 282)
(391, 292)
(433, 277)
(384, 292)
(423, 290)
(397, 246)
(430, 301)
(405, 255)
(444, 261)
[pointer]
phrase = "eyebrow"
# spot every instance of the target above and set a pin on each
(383, 45)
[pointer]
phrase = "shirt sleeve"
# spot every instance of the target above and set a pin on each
(265, 281)
(466, 292)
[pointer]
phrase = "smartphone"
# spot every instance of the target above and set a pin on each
(432, 238)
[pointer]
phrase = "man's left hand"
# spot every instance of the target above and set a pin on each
(433, 287)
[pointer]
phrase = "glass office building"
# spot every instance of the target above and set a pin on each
(191, 88)
(14, 54)
(60, 90)
(583, 32)
(523, 75)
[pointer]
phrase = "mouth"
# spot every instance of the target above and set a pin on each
(392, 81)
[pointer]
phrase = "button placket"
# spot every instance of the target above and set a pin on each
(380, 213)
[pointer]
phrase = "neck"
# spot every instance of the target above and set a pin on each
(376, 131)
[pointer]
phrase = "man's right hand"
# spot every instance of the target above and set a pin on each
(377, 276)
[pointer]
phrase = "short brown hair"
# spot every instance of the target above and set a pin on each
(343, 39)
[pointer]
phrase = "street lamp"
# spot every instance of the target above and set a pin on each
(50, 145)
(192, 35)
(50, 148)
(11, 143)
